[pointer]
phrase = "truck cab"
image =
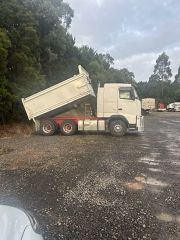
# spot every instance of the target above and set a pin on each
(120, 102)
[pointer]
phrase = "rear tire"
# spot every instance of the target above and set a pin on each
(117, 128)
(48, 128)
(68, 128)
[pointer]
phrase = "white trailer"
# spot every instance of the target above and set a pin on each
(148, 104)
(118, 108)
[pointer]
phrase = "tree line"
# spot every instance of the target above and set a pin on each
(160, 85)
(37, 51)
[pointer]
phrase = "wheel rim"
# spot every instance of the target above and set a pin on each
(67, 128)
(118, 128)
(47, 128)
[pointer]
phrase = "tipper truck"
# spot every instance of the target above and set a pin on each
(72, 106)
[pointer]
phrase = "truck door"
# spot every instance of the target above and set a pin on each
(129, 104)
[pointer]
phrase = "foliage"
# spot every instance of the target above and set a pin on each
(6, 97)
(177, 77)
(100, 68)
(162, 70)
(159, 85)
(25, 27)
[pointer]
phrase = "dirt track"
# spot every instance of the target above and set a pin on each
(98, 186)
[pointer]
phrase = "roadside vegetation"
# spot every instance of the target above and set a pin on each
(37, 51)
(160, 85)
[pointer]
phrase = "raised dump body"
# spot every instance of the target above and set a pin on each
(52, 100)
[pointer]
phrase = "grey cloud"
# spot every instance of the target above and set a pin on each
(156, 40)
(127, 28)
(143, 64)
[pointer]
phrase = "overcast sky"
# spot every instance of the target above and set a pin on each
(134, 32)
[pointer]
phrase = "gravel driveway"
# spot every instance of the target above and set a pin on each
(98, 186)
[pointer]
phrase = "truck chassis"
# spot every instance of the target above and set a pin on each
(117, 126)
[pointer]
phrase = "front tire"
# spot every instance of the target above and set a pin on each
(117, 128)
(68, 128)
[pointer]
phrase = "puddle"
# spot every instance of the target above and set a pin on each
(153, 163)
(176, 163)
(155, 154)
(167, 122)
(150, 160)
(165, 172)
(175, 121)
(174, 173)
(166, 217)
(155, 170)
(4, 138)
(140, 182)
(134, 186)
(151, 181)
(140, 179)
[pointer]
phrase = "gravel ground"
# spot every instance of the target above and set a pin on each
(98, 186)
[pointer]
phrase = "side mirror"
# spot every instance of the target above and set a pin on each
(132, 95)
(133, 98)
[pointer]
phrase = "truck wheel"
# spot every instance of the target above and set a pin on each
(118, 128)
(68, 128)
(48, 128)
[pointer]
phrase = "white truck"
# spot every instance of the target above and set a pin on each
(170, 107)
(173, 107)
(70, 106)
(177, 106)
(148, 104)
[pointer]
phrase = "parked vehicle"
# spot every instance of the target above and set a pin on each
(177, 107)
(161, 107)
(170, 107)
(15, 224)
(72, 106)
(174, 107)
(148, 104)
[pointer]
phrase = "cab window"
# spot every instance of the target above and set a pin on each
(126, 93)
